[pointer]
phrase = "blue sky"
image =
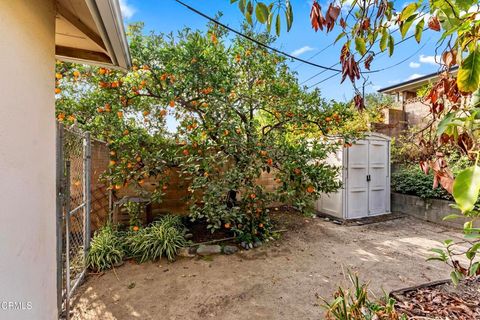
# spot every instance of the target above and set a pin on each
(167, 15)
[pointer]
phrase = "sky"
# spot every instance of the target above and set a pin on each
(302, 41)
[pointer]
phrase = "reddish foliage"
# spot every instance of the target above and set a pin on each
(433, 23)
(316, 17)
(349, 65)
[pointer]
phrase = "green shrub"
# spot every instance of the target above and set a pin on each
(105, 249)
(410, 179)
(161, 238)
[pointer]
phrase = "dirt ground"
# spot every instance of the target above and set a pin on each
(279, 280)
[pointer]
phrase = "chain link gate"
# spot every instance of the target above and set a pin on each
(73, 212)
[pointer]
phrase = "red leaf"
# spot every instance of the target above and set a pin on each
(433, 23)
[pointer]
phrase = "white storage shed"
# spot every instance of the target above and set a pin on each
(365, 175)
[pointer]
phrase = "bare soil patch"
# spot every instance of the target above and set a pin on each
(279, 280)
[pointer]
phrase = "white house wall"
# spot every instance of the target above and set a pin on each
(27, 160)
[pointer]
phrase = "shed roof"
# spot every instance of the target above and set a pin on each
(91, 31)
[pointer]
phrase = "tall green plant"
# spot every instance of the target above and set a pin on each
(106, 249)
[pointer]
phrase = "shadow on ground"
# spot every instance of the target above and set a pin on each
(277, 281)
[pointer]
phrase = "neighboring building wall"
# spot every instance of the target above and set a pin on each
(416, 112)
(27, 159)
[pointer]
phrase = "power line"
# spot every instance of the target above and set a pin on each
(383, 69)
(373, 71)
(254, 40)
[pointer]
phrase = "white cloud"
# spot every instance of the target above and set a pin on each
(429, 59)
(415, 76)
(127, 10)
(393, 81)
(414, 65)
(302, 50)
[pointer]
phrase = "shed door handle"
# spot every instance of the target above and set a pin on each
(368, 177)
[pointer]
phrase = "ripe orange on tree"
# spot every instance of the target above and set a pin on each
(253, 196)
(310, 189)
(58, 90)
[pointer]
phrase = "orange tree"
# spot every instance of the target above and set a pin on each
(240, 112)
(454, 100)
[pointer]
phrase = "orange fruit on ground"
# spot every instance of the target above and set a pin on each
(310, 189)
(253, 196)
(135, 228)
(58, 90)
(58, 75)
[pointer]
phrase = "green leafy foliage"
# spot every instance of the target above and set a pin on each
(410, 179)
(106, 249)
(241, 114)
(466, 188)
(468, 78)
(162, 238)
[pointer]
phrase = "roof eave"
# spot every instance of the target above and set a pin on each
(108, 18)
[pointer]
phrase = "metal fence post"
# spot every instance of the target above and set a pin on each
(60, 180)
(67, 239)
(87, 171)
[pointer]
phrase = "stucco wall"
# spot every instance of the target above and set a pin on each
(27, 160)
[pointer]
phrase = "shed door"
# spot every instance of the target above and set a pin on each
(378, 157)
(357, 185)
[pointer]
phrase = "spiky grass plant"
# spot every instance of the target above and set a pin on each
(162, 238)
(105, 249)
(354, 304)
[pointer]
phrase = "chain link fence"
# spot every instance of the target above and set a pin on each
(73, 212)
